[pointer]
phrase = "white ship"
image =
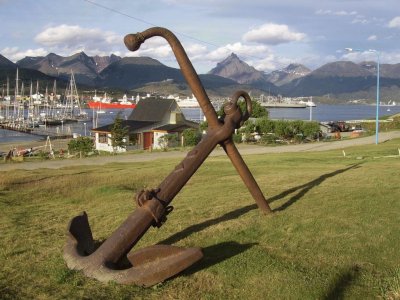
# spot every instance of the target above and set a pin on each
(188, 102)
(308, 103)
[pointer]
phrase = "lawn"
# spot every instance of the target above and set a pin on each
(334, 232)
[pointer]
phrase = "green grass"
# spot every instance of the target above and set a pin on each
(333, 235)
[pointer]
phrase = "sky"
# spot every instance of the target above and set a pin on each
(266, 34)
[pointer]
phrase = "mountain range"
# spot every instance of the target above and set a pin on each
(339, 80)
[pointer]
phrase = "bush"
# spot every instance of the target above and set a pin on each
(268, 139)
(237, 138)
(203, 126)
(167, 140)
(247, 129)
(264, 125)
(287, 130)
(82, 145)
(191, 137)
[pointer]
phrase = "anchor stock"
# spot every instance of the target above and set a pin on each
(156, 263)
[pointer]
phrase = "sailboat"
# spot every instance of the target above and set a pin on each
(73, 102)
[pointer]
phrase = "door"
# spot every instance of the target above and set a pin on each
(147, 140)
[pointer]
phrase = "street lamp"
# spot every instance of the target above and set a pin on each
(377, 88)
(84, 124)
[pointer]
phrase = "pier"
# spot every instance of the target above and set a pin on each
(38, 131)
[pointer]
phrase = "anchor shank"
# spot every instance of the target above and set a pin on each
(188, 71)
(126, 236)
(177, 179)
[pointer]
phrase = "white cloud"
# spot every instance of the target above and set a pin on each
(196, 52)
(394, 23)
(14, 53)
(335, 13)
(372, 38)
(270, 63)
(273, 34)
(74, 37)
(359, 19)
(156, 48)
(385, 57)
(238, 48)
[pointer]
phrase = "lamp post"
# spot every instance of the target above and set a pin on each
(84, 125)
(377, 88)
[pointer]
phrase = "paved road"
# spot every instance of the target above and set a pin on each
(244, 150)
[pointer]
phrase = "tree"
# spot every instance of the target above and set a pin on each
(118, 134)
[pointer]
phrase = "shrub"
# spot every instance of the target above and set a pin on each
(247, 129)
(264, 125)
(237, 138)
(167, 140)
(268, 139)
(288, 130)
(203, 126)
(81, 144)
(191, 137)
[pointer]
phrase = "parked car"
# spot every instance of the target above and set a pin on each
(339, 126)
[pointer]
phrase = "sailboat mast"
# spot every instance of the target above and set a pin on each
(30, 107)
(15, 97)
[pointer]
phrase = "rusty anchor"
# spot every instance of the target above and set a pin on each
(112, 260)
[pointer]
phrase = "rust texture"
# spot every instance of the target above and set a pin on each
(112, 260)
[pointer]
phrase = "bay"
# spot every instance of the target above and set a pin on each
(320, 113)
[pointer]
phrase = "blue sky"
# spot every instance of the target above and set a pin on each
(266, 34)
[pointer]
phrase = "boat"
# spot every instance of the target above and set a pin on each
(106, 103)
(280, 102)
(390, 103)
(308, 103)
(188, 102)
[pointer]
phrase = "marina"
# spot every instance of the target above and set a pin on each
(321, 113)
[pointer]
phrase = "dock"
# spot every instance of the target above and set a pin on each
(282, 105)
(38, 131)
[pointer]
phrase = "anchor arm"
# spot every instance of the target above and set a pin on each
(177, 179)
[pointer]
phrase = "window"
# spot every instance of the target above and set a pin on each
(103, 138)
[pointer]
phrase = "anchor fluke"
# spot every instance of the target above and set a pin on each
(148, 266)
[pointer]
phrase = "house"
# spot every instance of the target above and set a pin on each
(149, 121)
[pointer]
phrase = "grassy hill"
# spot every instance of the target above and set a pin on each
(333, 235)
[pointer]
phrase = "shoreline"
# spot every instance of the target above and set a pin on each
(56, 144)
(243, 149)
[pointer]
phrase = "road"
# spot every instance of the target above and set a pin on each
(243, 149)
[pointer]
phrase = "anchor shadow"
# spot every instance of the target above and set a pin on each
(203, 225)
(215, 254)
(304, 188)
(344, 281)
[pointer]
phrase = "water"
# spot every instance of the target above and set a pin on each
(329, 112)
(321, 113)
